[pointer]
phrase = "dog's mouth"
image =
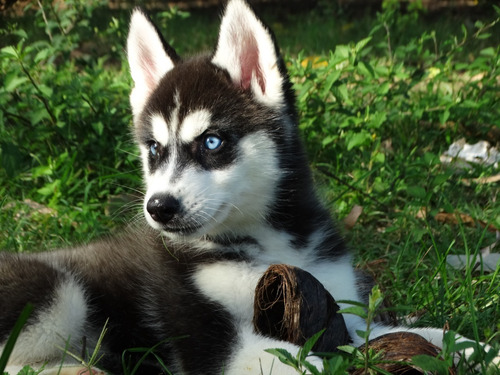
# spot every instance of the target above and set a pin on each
(194, 226)
(183, 230)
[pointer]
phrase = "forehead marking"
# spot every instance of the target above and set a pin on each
(160, 129)
(194, 124)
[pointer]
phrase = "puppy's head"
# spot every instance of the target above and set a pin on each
(210, 129)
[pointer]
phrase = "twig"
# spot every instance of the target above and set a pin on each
(24, 119)
(45, 20)
(389, 48)
(86, 100)
(345, 183)
(58, 20)
(40, 96)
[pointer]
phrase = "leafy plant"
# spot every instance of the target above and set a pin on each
(300, 362)
(65, 117)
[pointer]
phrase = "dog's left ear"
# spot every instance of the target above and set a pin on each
(247, 51)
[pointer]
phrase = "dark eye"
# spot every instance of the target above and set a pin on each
(153, 148)
(212, 142)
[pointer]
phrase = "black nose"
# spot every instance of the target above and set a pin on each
(162, 208)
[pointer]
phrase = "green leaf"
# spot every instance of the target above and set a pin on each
(443, 117)
(362, 43)
(306, 349)
(20, 33)
(342, 51)
(416, 191)
(342, 90)
(309, 366)
(12, 82)
(491, 355)
(363, 334)
(9, 51)
(46, 90)
(483, 35)
(384, 88)
(377, 119)
(355, 310)
(329, 139)
(489, 52)
(461, 346)
(352, 351)
(352, 302)
(335, 365)
(348, 349)
(333, 76)
(366, 69)
(440, 179)
(357, 139)
(98, 127)
(42, 170)
(284, 356)
(42, 55)
(428, 363)
(375, 299)
(28, 370)
(50, 188)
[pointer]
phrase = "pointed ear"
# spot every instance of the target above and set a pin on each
(149, 58)
(246, 49)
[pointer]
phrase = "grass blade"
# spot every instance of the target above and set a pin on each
(11, 341)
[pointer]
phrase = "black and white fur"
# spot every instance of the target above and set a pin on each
(228, 193)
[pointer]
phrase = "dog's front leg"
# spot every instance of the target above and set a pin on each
(250, 356)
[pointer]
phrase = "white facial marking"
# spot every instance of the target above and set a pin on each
(158, 183)
(160, 129)
(194, 124)
(216, 201)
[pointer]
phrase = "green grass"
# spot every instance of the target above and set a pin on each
(381, 97)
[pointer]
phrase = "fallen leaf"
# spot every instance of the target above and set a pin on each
(351, 219)
(421, 213)
(457, 218)
(482, 180)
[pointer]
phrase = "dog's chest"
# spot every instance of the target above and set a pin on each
(231, 284)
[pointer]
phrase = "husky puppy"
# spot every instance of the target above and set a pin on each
(228, 193)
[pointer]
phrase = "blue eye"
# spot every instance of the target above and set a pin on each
(153, 148)
(212, 142)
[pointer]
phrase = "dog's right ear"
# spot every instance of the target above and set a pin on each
(149, 58)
